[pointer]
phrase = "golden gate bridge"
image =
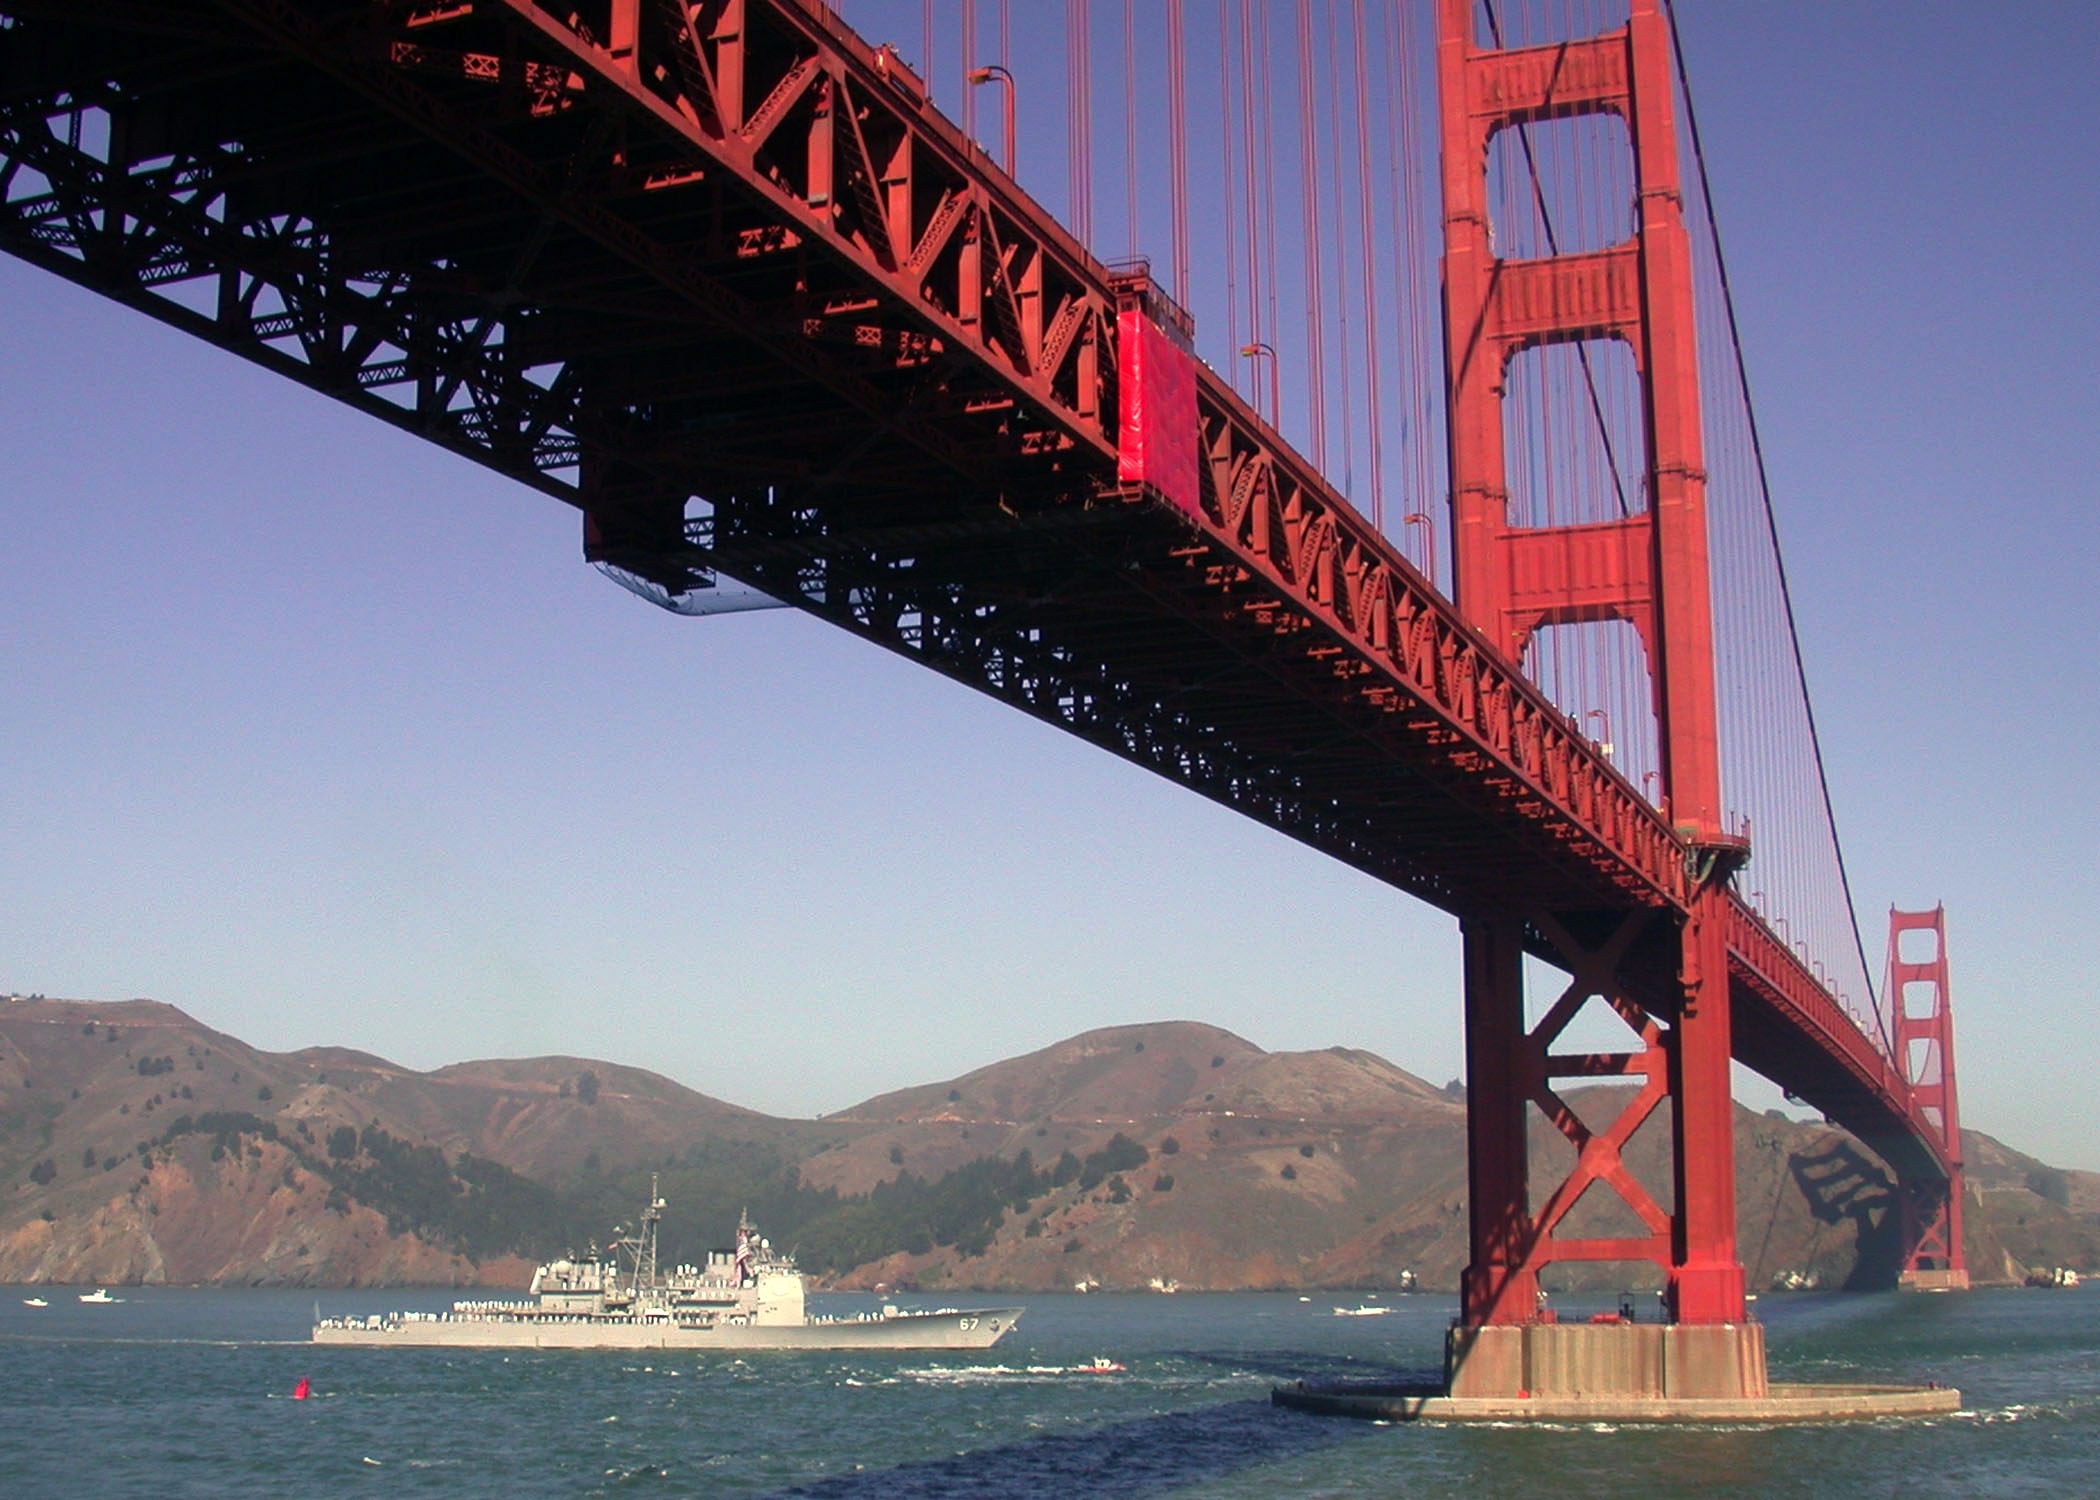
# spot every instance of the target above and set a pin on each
(755, 296)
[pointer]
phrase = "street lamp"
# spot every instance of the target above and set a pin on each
(1427, 522)
(1605, 743)
(1268, 351)
(993, 73)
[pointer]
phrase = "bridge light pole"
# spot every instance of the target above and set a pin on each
(993, 73)
(1258, 351)
(1604, 718)
(1427, 522)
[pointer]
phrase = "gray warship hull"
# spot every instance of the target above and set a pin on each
(976, 1329)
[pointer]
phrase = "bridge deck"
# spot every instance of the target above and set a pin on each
(753, 306)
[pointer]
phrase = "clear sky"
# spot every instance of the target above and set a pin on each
(326, 736)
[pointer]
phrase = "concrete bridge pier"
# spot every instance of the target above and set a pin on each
(1613, 1372)
(1553, 1362)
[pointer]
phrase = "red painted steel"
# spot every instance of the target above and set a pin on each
(1156, 445)
(1649, 569)
(716, 273)
(1510, 1066)
(1923, 1034)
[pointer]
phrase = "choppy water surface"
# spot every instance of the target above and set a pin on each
(187, 1392)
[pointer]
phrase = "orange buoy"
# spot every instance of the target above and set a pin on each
(302, 1389)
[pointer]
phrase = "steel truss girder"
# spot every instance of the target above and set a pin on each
(413, 352)
(840, 148)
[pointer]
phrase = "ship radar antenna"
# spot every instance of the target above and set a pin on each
(645, 1251)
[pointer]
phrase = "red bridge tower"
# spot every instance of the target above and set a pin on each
(1922, 1029)
(1664, 972)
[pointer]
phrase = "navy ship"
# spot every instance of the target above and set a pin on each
(751, 1297)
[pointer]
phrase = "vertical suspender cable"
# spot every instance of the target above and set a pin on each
(1366, 237)
(1178, 149)
(1412, 327)
(1130, 126)
(1080, 96)
(1337, 158)
(1248, 147)
(1309, 199)
(1233, 362)
(970, 61)
(1268, 180)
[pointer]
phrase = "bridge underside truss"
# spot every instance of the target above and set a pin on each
(715, 275)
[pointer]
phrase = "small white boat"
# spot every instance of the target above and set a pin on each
(1100, 1365)
(34, 1302)
(99, 1294)
(1365, 1311)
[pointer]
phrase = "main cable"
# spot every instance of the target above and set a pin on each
(1735, 339)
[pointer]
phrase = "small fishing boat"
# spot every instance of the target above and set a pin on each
(1101, 1364)
(99, 1294)
(1364, 1311)
(34, 1302)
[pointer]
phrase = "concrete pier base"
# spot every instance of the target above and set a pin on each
(1641, 1361)
(1933, 1281)
(1614, 1372)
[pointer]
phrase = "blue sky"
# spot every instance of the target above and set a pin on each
(328, 737)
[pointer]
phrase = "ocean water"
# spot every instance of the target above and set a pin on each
(185, 1392)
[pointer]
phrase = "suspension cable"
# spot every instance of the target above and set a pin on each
(1757, 450)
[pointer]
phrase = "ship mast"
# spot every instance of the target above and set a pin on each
(651, 1217)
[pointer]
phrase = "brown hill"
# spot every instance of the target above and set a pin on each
(1164, 1077)
(138, 1144)
(88, 1090)
(1153, 1071)
(531, 1114)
